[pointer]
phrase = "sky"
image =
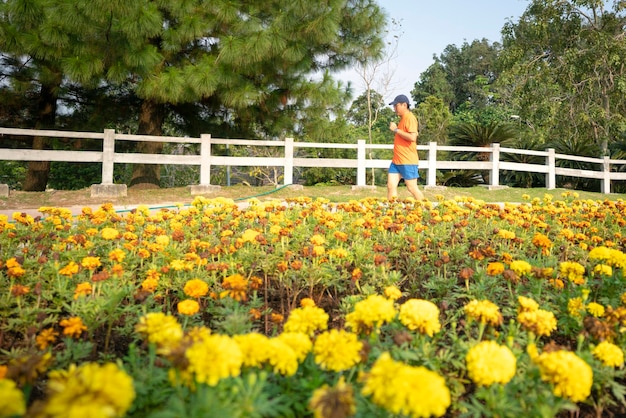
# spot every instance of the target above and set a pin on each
(427, 28)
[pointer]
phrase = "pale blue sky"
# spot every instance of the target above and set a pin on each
(428, 26)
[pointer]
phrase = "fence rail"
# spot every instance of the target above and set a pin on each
(606, 172)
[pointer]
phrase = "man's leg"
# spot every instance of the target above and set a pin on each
(411, 185)
(393, 179)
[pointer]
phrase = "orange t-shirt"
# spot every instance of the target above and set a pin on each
(405, 152)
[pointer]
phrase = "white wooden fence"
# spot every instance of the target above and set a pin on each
(206, 160)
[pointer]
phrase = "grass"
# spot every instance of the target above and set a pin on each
(67, 198)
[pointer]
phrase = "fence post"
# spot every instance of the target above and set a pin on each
(606, 175)
(551, 176)
(107, 188)
(432, 164)
(205, 159)
(360, 163)
(495, 164)
(108, 151)
(288, 161)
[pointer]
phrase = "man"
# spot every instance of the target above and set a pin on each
(404, 164)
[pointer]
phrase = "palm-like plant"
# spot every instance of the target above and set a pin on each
(476, 134)
(582, 147)
(521, 178)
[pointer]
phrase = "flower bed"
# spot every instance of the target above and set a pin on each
(368, 308)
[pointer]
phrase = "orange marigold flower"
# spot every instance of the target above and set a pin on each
(82, 289)
(150, 284)
(307, 302)
(282, 266)
(196, 288)
(18, 290)
(117, 270)
(236, 286)
(45, 338)
(143, 253)
(117, 255)
(256, 282)
(277, 318)
(255, 314)
(357, 274)
(73, 326)
(188, 307)
(69, 270)
(495, 268)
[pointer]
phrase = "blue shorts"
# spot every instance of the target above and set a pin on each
(406, 171)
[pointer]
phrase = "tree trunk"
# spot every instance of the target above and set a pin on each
(38, 171)
(150, 123)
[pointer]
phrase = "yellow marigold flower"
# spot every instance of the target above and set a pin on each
(73, 326)
(317, 240)
(595, 309)
(338, 253)
(337, 350)
(609, 354)
(178, 265)
(307, 302)
(82, 289)
(495, 268)
(160, 329)
(393, 385)
(420, 315)
(196, 288)
(117, 255)
(575, 307)
(69, 270)
(89, 390)
(337, 401)
(484, 311)
(573, 271)
(249, 235)
(300, 343)
(255, 349)
(526, 304)
(91, 263)
(45, 338)
(109, 234)
(570, 376)
(489, 363)
(12, 402)
(318, 250)
(306, 320)
(503, 233)
(214, 358)
(393, 293)
(284, 359)
(371, 312)
(188, 307)
(520, 267)
(540, 322)
(162, 240)
(603, 270)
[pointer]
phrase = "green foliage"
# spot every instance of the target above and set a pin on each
(461, 75)
(12, 173)
(74, 176)
(434, 118)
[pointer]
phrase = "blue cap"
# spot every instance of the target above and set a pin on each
(400, 99)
